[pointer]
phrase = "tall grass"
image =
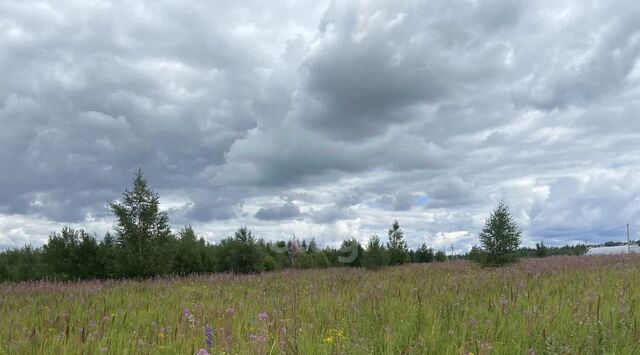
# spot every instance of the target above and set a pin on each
(573, 305)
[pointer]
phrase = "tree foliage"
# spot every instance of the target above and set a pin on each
(142, 231)
(424, 254)
(397, 247)
(500, 237)
(375, 256)
(142, 245)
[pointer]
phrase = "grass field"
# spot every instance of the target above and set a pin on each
(556, 305)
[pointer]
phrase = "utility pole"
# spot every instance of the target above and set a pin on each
(628, 241)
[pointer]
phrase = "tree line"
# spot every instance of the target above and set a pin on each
(143, 245)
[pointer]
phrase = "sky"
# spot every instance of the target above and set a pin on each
(323, 119)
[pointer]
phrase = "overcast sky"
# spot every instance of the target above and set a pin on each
(324, 119)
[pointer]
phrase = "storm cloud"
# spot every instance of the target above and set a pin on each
(323, 119)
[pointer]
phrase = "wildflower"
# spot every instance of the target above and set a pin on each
(262, 315)
(472, 321)
(208, 335)
(258, 338)
(231, 311)
(202, 352)
(104, 350)
(186, 313)
(531, 351)
(334, 335)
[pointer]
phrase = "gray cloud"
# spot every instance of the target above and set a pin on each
(361, 112)
(402, 201)
(287, 210)
(330, 214)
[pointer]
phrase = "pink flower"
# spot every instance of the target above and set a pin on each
(258, 338)
(262, 315)
(202, 352)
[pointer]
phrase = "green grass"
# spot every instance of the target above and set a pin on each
(573, 305)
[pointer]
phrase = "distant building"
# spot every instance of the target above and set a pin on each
(620, 249)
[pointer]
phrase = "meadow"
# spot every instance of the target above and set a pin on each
(554, 305)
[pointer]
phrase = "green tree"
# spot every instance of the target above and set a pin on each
(440, 256)
(500, 237)
(88, 262)
(396, 246)
(143, 232)
(24, 264)
(242, 254)
(59, 253)
(313, 246)
(190, 256)
(108, 253)
(541, 250)
(375, 256)
(476, 254)
(350, 253)
(424, 254)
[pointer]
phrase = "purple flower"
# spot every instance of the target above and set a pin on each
(257, 338)
(202, 352)
(208, 335)
(231, 311)
(262, 315)
(185, 312)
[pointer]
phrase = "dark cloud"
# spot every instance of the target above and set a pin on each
(361, 112)
(402, 201)
(287, 210)
(330, 214)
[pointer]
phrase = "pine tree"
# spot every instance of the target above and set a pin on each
(375, 256)
(541, 250)
(313, 246)
(397, 246)
(242, 254)
(500, 237)
(142, 230)
(424, 254)
(189, 257)
(351, 253)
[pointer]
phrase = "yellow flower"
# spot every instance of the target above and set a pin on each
(334, 335)
(162, 335)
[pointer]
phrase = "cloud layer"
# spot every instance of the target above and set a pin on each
(323, 119)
